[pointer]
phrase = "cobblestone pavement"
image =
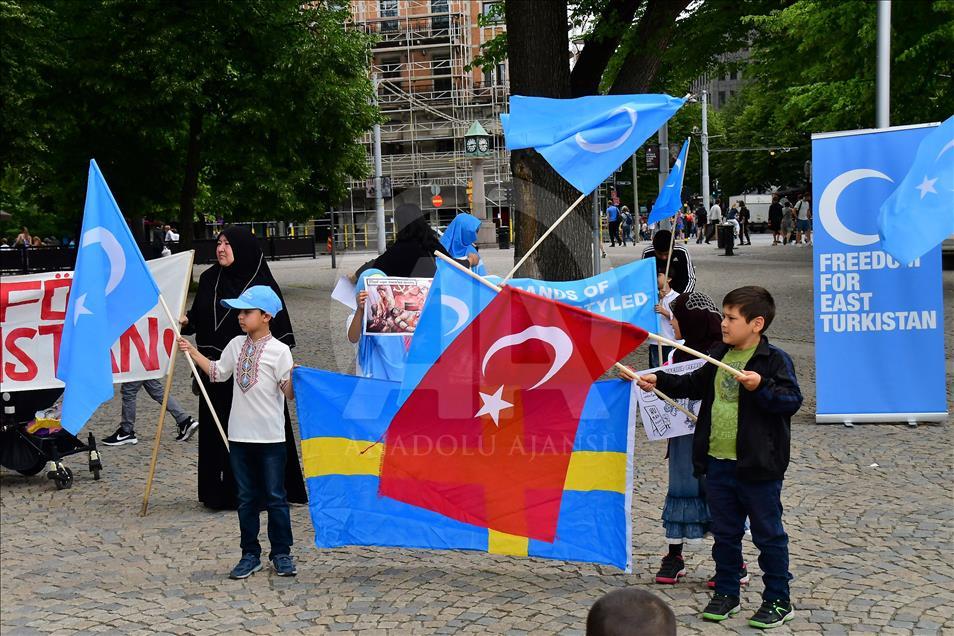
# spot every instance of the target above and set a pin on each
(869, 511)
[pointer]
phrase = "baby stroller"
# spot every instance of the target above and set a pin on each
(31, 437)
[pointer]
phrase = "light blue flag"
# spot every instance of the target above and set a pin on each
(919, 215)
(112, 289)
(586, 139)
(626, 293)
(670, 198)
(342, 416)
(454, 300)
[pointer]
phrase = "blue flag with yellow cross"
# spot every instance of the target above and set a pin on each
(343, 418)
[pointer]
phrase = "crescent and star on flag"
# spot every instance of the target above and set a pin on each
(117, 265)
(562, 346)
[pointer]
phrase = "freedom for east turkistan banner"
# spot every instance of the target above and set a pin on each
(32, 311)
(341, 417)
(519, 373)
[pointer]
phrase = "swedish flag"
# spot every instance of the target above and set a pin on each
(342, 418)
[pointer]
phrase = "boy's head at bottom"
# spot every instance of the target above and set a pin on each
(630, 612)
(257, 306)
(747, 313)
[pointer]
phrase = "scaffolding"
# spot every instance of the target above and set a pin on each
(422, 48)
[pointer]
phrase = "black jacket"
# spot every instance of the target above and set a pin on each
(681, 270)
(764, 436)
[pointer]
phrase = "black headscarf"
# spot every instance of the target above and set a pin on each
(700, 323)
(214, 325)
(412, 253)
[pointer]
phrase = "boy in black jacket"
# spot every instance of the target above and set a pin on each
(741, 445)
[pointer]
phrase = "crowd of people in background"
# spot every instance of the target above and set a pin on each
(25, 240)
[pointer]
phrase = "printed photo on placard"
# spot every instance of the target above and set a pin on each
(394, 305)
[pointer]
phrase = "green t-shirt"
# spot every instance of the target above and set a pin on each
(725, 408)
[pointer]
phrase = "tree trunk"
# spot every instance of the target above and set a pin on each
(538, 49)
(190, 184)
(653, 35)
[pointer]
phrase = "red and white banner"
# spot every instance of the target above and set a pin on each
(32, 311)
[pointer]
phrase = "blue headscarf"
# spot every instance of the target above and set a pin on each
(381, 357)
(459, 239)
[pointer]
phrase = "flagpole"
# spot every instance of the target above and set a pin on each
(195, 372)
(162, 417)
(165, 398)
(672, 241)
(540, 240)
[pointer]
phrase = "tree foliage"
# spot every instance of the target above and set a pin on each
(237, 110)
(813, 69)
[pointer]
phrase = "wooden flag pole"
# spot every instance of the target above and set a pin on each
(540, 240)
(672, 241)
(162, 417)
(195, 372)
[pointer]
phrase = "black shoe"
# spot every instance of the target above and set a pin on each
(743, 577)
(120, 438)
(772, 614)
(721, 607)
(186, 428)
(672, 568)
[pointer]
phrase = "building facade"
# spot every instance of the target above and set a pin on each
(430, 99)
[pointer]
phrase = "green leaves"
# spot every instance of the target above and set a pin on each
(251, 109)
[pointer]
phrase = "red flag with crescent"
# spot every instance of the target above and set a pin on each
(486, 436)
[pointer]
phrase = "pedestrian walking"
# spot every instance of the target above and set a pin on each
(714, 219)
(775, 219)
(744, 218)
(612, 217)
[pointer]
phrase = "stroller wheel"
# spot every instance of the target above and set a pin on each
(62, 476)
(34, 469)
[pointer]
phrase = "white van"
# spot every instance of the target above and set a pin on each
(758, 205)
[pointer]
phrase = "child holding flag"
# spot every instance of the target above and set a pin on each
(262, 368)
(742, 445)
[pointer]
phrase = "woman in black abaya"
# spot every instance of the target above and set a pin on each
(240, 265)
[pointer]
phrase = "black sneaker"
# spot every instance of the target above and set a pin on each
(772, 614)
(743, 578)
(721, 607)
(672, 568)
(120, 438)
(186, 428)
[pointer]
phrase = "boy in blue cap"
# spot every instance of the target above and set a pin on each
(261, 366)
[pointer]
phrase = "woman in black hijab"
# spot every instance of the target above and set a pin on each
(412, 253)
(240, 265)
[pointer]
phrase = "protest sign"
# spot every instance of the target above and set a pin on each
(874, 315)
(32, 311)
(661, 420)
(393, 306)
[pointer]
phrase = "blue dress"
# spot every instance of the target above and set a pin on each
(685, 514)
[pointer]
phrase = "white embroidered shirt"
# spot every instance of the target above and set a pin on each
(258, 404)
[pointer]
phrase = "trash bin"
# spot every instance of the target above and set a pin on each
(503, 237)
(726, 238)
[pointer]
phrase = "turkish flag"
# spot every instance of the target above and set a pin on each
(486, 436)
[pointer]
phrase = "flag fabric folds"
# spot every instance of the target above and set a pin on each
(586, 139)
(112, 289)
(454, 300)
(919, 215)
(670, 198)
(486, 436)
(341, 416)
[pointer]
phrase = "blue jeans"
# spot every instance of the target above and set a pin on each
(259, 471)
(730, 500)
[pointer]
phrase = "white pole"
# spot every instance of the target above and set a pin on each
(705, 153)
(378, 181)
(883, 100)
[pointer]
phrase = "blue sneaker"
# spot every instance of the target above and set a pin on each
(249, 565)
(284, 565)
